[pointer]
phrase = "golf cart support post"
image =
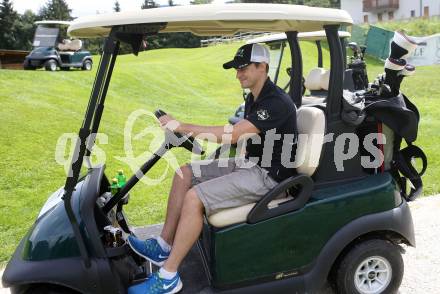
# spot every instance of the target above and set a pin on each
(84, 147)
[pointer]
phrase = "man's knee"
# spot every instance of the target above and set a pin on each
(193, 200)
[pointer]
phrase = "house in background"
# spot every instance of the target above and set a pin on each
(372, 11)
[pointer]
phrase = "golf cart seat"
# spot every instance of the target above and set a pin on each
(70, 45)
(65, 45)
(317, 83)
(75, 45)
(311, 127)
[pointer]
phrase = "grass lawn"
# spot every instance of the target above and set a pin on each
(38, 107)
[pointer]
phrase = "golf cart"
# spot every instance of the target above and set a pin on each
(339, 225)
(317, 81)
(49, 53)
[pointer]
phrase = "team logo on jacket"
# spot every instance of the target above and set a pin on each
(262, 114)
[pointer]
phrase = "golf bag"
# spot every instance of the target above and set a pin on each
(382, 110)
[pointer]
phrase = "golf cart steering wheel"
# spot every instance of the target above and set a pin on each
(179, 140)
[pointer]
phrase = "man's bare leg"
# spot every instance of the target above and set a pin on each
(178, 191)
(188, 230)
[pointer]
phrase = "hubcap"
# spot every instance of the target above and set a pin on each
(53, 66)
(88, 66)
(373, 275)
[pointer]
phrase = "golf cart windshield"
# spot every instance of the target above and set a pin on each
(48, 32)
(45, 37)
(276, 50)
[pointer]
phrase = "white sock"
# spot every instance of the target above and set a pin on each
(163, 244)
(164, 274)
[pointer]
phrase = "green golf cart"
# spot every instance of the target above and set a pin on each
(50, 53)
(342, 226)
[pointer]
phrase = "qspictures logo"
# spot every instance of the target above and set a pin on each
(345, 147)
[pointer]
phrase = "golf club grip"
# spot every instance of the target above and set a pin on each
(158, 113)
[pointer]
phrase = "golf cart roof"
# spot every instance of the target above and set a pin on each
(53, 22)
(305, 36)
(214, 19)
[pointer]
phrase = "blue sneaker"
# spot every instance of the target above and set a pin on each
(157, 285)
(149, 249)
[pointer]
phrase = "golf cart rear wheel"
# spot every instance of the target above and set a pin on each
(87, 65)
(50, 65)
(371, 267)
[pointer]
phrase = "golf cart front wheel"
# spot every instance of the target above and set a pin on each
(371, 267)
(87, 65)
(50, 65)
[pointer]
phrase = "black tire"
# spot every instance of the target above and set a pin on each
(51, 65)
(27, 66)
(49, 289)
(87, 65)
(384, 276)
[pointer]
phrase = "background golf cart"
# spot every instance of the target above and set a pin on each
(316, 83)
(51, 54)
(246, 250)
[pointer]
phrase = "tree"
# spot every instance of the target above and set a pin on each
(117, 7)
(8, 17)
(25, 25)
(171, 3)
(56, 10)
(149, 4)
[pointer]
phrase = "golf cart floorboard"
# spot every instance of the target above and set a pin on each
(191, 270)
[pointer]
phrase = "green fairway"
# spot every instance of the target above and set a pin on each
(37, 107)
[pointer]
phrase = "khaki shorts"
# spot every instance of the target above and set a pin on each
(229, 182)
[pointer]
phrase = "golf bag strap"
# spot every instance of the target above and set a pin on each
(402, 165)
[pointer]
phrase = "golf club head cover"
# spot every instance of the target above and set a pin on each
(392, 78)
(402, 46)
(408, 70)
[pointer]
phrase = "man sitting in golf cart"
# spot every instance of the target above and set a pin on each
(208, 186)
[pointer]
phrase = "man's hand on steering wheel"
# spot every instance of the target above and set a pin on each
(172, 126)
(168, 122)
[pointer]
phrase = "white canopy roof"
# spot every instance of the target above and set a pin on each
(308, 36)
(216, 19)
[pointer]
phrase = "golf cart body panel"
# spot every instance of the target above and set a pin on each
(297, 238)
(285, 250)
(46, 41)
(49, 252)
